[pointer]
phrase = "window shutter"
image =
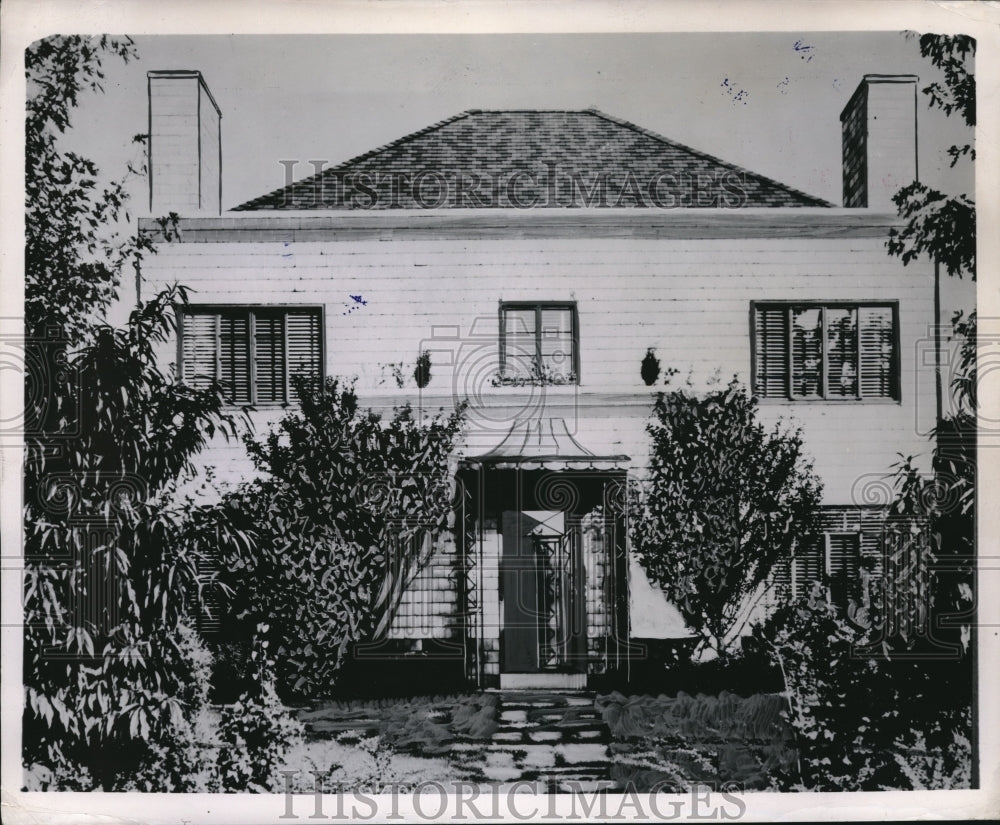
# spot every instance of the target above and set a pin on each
(269, 356)
(876, 352)
(771, 352)
(305, 350)
(843, 565)
(843, 554)
(807, 352)
(808, 568)
(234, 356)
(199, 336)
(841, 352)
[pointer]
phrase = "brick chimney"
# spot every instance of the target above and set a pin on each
(879, 126)
(185, 145)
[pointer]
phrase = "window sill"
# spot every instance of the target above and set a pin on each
(270, 405)
(521, 383)
(794, 402)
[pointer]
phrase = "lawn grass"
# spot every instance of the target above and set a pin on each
(675, 742)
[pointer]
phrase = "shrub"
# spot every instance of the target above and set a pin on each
(183, 759)
(106, 529)
(864, 721)
(256, 732)
(422, 369)
(348, 510)
(725, 500)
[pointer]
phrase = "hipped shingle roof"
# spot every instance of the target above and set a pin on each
(533, 158)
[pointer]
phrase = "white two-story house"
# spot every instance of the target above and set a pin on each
(537, 256)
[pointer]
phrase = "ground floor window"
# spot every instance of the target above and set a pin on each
(858, 555)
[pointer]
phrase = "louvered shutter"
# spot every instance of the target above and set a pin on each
(269, 356)
(305, 348)
(807, 568)
(843, 566)
(199, 346)
(807, 352)
(876, 352)
(234, 356)
(841, 352)
(771, 352)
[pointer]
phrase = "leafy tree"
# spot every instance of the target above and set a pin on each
(725, 500)
(939, 227)
(114, 675)
(944, 230)
(348, 509)
(74, 251)
(889, 704)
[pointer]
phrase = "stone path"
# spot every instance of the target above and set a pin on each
(555, 739)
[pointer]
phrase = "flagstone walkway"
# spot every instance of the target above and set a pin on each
(555, 739)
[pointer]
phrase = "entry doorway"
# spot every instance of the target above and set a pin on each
(543, 593)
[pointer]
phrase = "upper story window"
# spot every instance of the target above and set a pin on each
(829, 351)
(252, 351)
(539, 343)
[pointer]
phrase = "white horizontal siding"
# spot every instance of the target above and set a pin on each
(689, 299)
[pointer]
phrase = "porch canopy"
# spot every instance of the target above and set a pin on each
(544, 444)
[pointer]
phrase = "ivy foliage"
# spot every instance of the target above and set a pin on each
(724, 501)
(347, 509)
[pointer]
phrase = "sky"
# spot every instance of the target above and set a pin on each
(769, 102)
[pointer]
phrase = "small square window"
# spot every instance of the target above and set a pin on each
(539, 343)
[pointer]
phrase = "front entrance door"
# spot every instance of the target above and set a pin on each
(544, 614)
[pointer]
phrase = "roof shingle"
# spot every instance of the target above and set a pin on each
(533, 158)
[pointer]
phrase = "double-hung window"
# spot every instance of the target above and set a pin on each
(539, 342)
(253, 352)
(833, 351)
